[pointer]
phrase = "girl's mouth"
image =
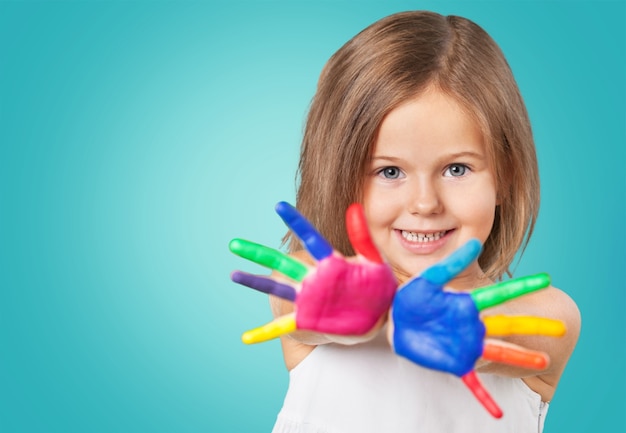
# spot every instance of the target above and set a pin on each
(423, 237)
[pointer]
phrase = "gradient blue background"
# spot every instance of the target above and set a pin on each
(138, 138)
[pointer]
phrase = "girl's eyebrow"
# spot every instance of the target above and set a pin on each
(455, 155)
(470, 154)
(386, 158)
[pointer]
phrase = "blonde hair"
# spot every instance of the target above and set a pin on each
(388, 63)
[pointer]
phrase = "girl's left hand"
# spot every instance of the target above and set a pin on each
(443, 330)
(339, 295)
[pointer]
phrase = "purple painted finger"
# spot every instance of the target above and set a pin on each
(265, 285)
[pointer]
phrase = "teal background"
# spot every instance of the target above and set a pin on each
(137, 138)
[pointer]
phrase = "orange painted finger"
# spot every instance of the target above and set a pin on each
(515, 356)
(523, 325)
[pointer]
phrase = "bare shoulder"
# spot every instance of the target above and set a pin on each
(550, 303)
(565, 309)
(555, 304)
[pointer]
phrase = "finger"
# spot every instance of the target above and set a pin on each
(471, 380)
(523, 325)
(269, 258)
(277, 327)
(359, 234)
(265, 285)
(454, 264)
(312, 240)
(517, 356)
(502, 292)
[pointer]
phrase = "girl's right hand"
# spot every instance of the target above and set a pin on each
(339, 295)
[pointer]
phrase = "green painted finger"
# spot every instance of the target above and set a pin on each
(502, 292)
(270, 258)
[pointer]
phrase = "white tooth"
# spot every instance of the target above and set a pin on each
(422, 237)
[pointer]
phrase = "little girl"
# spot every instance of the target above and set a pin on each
(419, 119)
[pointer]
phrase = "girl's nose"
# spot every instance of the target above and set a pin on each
(425, 200)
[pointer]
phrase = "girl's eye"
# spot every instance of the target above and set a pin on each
(390, 173)
(456, 170)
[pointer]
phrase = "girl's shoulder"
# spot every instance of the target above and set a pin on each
(555, 304)
(559, 305)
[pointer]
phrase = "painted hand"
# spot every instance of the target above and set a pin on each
(443, 330)
(342, 296)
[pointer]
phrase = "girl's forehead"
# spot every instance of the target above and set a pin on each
(430, 122)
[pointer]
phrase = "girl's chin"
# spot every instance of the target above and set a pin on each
(406, 273)
(468, 279)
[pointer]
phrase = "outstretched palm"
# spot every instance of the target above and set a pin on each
(339, 295)
(443, 330)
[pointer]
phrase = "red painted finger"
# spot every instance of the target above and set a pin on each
(471, 380)
(359, 233)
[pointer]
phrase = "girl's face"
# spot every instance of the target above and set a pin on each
(429, 187)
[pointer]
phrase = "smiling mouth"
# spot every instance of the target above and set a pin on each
(423, 237)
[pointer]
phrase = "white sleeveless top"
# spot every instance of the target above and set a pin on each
(366, 388)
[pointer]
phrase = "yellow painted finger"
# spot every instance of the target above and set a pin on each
(523, 325)
(277, 327)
